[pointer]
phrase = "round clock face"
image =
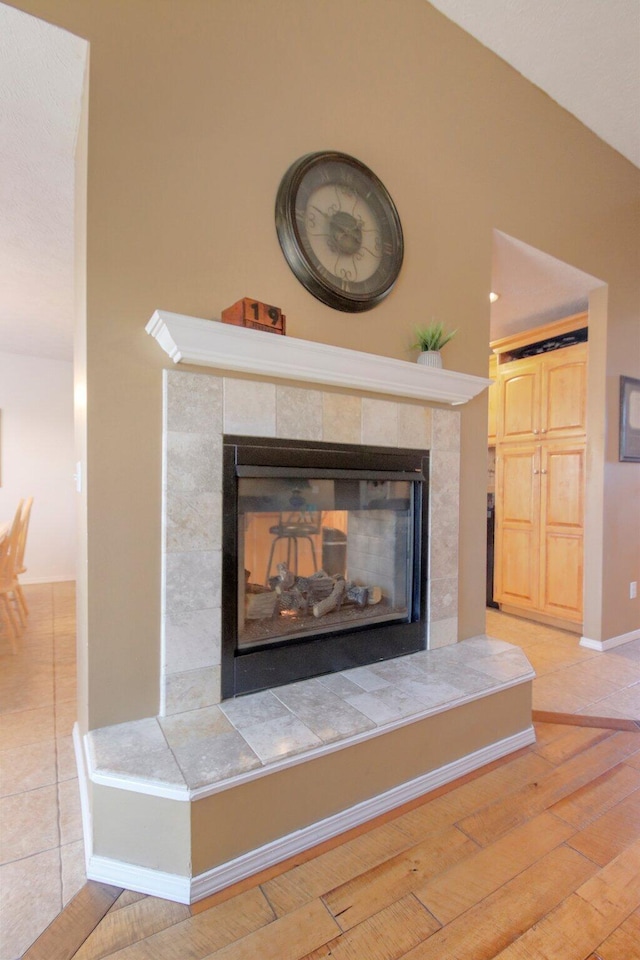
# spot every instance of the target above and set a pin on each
(339, 230)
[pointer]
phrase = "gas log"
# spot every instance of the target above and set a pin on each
(319, 593)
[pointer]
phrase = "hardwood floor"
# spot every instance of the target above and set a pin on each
(535, 856)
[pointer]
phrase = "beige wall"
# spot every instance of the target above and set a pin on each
(196, 110)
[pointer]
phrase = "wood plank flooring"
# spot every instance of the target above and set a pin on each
(536, 857)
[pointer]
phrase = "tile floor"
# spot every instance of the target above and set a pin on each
(41, 849)
(571, 678)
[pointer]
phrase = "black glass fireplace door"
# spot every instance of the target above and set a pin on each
(323, 559)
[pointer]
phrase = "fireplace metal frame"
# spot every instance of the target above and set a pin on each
(285, 661)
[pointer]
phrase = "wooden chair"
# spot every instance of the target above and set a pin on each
(20, 567)
(8, 579)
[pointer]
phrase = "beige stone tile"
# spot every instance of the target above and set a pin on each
(443, 633)
(29, 823)
(414, 426)
(74, 873)
(66, 714)
(552, 693)
(25, 684)
(622, 673)
(217, 757)
(192, 726)
(28, 767)
(547, 658)
(65, 759)
(623, 703)
(193, 463)
(443, 538)
(328, 716)
(445, 487)
(586, 685)
(26, 726)
(31, 899)
(39, 597)
(281, 737)
(192, 581)
(192, 689)
(64, 627)
(379, 422)
(193, 402)
(35, 645)
(443, 603)
(627, 651)
(446, 430)
(298, 413)
(64, 647)
(138, 748)
(249, 408)
(192, 640)
(194, 521)
(62, 591)
(341, 418)
(69, 808)
(65, 680)
(6, 649)
(64, 607)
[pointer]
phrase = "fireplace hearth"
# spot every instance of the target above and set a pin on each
(324, 559)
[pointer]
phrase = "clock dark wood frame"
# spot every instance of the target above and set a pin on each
(301, 179)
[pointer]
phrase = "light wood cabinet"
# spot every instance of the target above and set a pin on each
(493, 400)
(543, 397)
(517, 536)
(539, 533)
(540, 482)
(562, 484)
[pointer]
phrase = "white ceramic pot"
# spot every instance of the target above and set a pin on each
(430, 358)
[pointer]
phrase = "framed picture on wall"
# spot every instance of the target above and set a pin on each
(629, 419)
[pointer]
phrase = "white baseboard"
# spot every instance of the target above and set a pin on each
(190, 889)
(612, 642)
(60, 578)
(85, 807)
(155, 883)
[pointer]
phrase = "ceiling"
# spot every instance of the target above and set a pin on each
(584, 53)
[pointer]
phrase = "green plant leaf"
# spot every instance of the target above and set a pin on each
(432, 337)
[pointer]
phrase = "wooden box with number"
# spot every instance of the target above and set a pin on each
(257, 315)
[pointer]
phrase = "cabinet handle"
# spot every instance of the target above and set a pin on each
(535, 472)
(536, 431)
(544, 430)
(543, 471)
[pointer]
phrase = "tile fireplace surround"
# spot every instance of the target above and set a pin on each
(380, 734)
(200, 408)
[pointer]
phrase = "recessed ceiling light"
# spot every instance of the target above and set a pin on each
(493, 297)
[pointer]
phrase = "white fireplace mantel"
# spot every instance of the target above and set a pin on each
(211, 343)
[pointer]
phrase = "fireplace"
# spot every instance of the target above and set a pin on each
(200, 410)
(324, 558)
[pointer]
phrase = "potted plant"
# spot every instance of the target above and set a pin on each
(430, 340)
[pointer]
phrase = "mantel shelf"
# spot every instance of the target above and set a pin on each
(211, 343)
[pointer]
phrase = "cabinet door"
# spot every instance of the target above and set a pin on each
(493, 401)
(562, 530)
(519, 400)
(564, 393)
(517, 540)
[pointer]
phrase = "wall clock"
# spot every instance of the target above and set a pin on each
(339, 230)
